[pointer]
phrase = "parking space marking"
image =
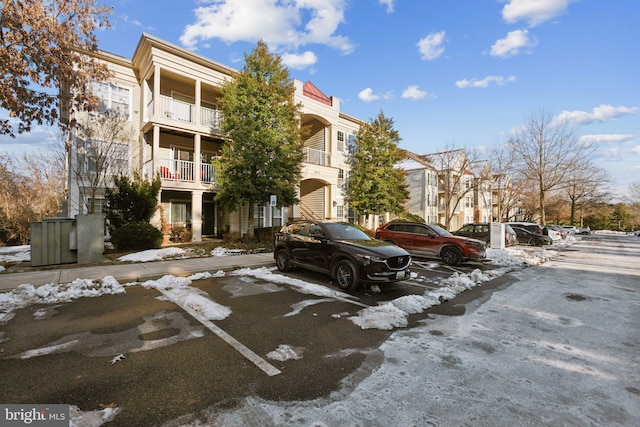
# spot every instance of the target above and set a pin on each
(241, 348)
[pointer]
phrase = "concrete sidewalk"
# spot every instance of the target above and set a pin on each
(134, 272)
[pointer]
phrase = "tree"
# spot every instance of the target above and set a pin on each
(131, 200)
(41, 49)
(98, 151)
(455, 179)
(587, 184)
(376, 186)
(546, 151)
(30, 191)
(633, 200)
(264, 156)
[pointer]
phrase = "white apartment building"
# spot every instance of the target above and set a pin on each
(169, 99)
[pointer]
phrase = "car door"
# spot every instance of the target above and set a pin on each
(298, 241)
(425, 240)
(318, 248)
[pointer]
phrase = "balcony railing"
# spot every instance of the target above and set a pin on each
(186, 112)
(317, 157)
(182, 171)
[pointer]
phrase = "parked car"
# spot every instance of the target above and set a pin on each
(531, 226)
(341, 250)
(482, 231)
(429, 240)
(585, 231)
(554, 232)
(528, 238)
(571, 229)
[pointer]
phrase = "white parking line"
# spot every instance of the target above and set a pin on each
(241, 348)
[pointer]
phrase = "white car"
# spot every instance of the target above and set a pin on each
(554, 234)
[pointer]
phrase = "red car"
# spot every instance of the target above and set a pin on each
(429, 240)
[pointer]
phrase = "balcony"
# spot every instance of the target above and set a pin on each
(182, 171)
(185, 112)
(316, 157)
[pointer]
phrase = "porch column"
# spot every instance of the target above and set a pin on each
(196, 216)
(196, 158)
(155, 152)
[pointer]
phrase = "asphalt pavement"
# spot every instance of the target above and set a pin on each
(132, 272)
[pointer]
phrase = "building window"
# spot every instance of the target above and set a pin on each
(109, 157)
(340, 141)
(113, 98)
(340, 211)
(351, 143)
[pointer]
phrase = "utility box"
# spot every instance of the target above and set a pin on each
(89, 238)
(50, 242)
(66, 241)
(497, 235)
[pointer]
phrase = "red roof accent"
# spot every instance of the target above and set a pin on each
(310, 90)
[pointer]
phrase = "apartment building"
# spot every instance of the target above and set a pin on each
(447, 187)
(168, 98)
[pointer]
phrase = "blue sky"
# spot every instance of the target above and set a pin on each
(450, 73)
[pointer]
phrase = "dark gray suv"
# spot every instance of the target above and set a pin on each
(341, 250)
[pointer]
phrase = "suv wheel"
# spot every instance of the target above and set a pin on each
(536, 242)
(346, 275)
(451, 256)
(282, 260)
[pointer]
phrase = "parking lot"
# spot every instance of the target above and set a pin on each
(156, 357)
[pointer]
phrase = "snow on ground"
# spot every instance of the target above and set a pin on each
(386, 316)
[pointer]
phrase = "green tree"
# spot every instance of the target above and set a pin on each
(264, 156)
(375, 185)
(131, 200)
(42, 47)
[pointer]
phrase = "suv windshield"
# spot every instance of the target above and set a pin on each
(341, 231)
(440, 231)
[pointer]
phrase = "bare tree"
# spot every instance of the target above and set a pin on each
(30, 190)
(586, 185)
(97, 152)
(455, 179)
(633, 200)
(506, 190)
(546, 151)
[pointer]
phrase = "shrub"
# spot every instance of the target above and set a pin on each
(137, 236)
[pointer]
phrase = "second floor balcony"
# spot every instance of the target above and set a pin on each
(183, 171)
(316, 157)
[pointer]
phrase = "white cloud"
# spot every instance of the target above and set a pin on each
(607, 138)
(299, 61)
(388, 3)
(535, 12)
(282, 25)
(599, 114)
(367, 95)
(511, 44)
(414, 92)
(499, 80)
(430, 47)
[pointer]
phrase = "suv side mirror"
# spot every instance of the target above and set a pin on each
(318, 236)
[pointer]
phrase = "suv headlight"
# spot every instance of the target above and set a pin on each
(368, 259)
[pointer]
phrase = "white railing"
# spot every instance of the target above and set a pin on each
(207, 173)
(210, 118)
(176, 170)
(177, 110)
(317, 157)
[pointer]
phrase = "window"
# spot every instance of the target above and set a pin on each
(340, 211)
(340, 141)
(108, 157)
(180, 213)
(351, 143)
(113, 98)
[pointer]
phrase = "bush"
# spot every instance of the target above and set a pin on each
(137, 236)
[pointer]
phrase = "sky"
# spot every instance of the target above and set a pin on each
(451, 74)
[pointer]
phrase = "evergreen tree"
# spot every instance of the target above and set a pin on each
(264, 156)
(131, 200)
(376, 186)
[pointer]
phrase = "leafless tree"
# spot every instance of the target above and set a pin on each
(97, 152)
(633, 200)
(546, 151)
(586, 185)
(506, 189)
(455, 178)
(31, 189)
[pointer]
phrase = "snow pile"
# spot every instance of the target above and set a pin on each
(91, 418)
(286, 352)
(395, 313)
(15, 253)
(267, 275)
(153, 255)
(177, 290)
(25, 295)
